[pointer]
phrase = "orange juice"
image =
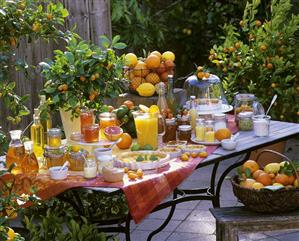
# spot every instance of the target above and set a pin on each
(147, 129)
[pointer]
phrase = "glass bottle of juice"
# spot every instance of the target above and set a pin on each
(162, 103)
(200, 129)
(16, 151)
(171, 100)
(29, 163)
(45, 117)
(193, 112)
(37, 137)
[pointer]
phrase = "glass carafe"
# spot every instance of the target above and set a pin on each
(16, 151)
(29, 163)
(147, 128)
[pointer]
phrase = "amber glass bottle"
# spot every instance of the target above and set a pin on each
(29, 163)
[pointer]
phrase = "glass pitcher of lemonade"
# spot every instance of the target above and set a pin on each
(147, 128)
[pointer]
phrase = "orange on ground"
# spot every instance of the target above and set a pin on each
(257, 173)
(264, 179)
(222, 134)
(125, 142)
(251, 165)
(140, 69)
(152, 78)
(152, 61)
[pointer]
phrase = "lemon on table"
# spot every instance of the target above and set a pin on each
(143, 108)
(11, 234)
(154, 109)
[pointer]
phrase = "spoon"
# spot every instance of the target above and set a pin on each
(272, 102)
(64, 165)
(234, 137)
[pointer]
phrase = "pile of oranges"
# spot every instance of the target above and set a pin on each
(133, 175)
(153, 69)
(273, 174)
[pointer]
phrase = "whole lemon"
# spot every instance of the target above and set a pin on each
(146, 89)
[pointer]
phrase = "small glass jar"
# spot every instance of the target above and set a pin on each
(261, 125)
(90, 168)
(245, 122)
(54, 156)
(184, 132)
(106, 119)
(209, 131)
(183, 120)
(77, 160)
(170, 132)
(91, 133)
(86, 118)
(200, 129)
(54, 137)
(220, 121)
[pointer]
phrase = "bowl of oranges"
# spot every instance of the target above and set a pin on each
(272, 188)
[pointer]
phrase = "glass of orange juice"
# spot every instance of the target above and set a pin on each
(147, 128)
(106, 119)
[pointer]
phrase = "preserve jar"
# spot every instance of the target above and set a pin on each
(209, 131)
(184, 132)
(86, 118)
(183, 120)
(261, 125)
(106, 119)
(54, 156)
(220, 121)
(170, 132)
(245, 122)
(54, 137)
(77, 159)
(247, 103)
(91, 133)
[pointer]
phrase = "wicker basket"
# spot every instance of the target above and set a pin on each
(265, 200)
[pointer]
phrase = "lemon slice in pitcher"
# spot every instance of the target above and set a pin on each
(154, 109)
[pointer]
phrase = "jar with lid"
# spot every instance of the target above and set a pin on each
(54, 156)
(245, 122)
(220, 121)
(184, 132)
(183, 120)
(247, 103)
(77, 159)
(170, 132)
(54, 137)
(200, 129)
(209, 131)
(90, 168)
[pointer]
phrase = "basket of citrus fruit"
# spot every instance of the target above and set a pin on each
(145, 73)
(270, 189)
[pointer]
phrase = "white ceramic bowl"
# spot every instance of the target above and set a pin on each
(56, 174)
(228, 144)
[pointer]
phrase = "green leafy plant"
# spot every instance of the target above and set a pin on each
(261, 57)
(23, 20)
(83, 74)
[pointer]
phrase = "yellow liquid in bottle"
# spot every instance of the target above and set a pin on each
(37, 136)
(200, 133)
(15, 154)
(29, 163)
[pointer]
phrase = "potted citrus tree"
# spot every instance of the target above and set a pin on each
(82, 75)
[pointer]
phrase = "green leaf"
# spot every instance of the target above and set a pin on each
(56, 99)
(247, 172)
(64, 13)
(50, 90)
(73, 101)
(104, 41)
(119, 46)
(115, 39)
(70, 57)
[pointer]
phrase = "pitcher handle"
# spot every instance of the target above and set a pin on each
(160, 117)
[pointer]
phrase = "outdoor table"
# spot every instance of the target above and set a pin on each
(144, 196)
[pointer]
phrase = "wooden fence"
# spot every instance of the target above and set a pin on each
(92, 18)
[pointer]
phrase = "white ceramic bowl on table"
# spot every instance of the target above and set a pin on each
(229, 144)
(57, 174)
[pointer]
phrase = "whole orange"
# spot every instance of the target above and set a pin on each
(129, 104)
(169, 65)
(282, 179)
(251, 165)
(152, 61)
(161, 69)
(125, 142)
(257, 173)
(223, 133)
(164, 76)
(291, 179)
(264, 179)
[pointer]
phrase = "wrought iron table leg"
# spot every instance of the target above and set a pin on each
(127, 228)
(164, 224)
(211, 189)
(216, 201)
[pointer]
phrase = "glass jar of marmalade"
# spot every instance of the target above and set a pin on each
(54, 156)
(170, 132)
(184, 132)
(54, 137)
(77, 160)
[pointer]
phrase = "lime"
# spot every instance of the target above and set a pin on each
(135, 147)
(147, 147)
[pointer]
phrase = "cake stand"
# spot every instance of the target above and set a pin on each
(224, 108)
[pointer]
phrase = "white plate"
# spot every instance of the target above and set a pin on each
(172, 154)
(224, 108)
(205, 143)
(148, 165)
(198, 150)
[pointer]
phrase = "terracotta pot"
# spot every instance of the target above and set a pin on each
(70, 125)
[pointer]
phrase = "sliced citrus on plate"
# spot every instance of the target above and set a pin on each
(144, 108)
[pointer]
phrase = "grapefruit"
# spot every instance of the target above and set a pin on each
(223, 133)
(113, 133)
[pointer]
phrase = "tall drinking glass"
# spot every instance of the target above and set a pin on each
(147, 128)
